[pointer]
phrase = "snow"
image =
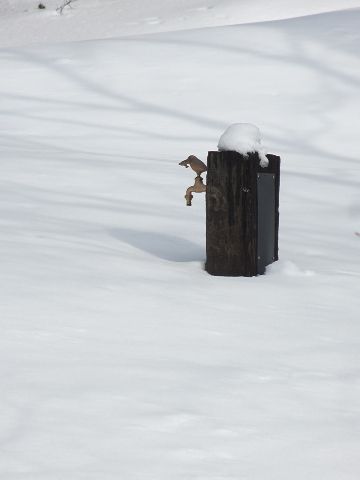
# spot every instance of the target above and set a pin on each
(120, 357)
(22, 23)
(243, 138)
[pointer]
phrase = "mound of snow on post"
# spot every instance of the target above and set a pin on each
(243, 138)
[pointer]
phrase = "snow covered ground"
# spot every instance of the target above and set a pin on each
(120, 358)
(22, 23)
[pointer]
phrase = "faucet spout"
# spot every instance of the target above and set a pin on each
(198, 187)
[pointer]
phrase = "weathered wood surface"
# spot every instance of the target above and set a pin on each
(231, 217)
(232, 212)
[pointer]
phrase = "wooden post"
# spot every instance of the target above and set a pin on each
(242, 220)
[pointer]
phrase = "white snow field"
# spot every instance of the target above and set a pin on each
(120, 357)
(21, 21)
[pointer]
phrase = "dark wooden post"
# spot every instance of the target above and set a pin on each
(242, 221)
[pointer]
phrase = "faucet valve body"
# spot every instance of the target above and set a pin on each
(198, 187)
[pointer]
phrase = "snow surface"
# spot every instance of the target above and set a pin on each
(243, 138)
(22, 23)
(120, 358)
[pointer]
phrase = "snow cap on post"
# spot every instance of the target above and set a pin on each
(243, 138)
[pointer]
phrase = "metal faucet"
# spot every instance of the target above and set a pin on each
(199, 167)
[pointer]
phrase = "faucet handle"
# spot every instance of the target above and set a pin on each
(195, 163)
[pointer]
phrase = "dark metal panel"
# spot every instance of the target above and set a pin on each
(266, 220)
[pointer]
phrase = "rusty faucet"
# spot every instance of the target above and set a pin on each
(199, 167)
